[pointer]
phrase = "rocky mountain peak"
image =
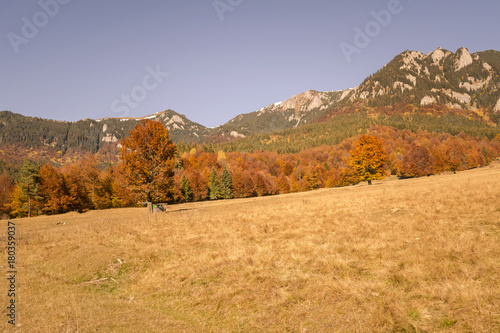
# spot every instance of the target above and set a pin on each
(463, 58)
(434, 79)
(438, 54)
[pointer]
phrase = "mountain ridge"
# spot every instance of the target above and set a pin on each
(460, 81)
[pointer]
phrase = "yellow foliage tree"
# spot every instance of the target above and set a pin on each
(368, 158)
(17, 205)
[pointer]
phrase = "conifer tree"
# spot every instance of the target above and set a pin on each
(226, 184)
(213, 186)
(178, 161)
(29, 182)
(186, 188)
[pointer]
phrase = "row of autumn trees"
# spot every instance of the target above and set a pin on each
(152, 170)
(82, 186)
(385, 151)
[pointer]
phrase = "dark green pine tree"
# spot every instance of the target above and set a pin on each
(29, 180)
(226, 186)
(213, 186)
(186, 188)
(178, 161)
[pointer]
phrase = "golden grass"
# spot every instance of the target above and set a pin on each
(419, 255)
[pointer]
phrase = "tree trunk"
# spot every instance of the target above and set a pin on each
(369, 182)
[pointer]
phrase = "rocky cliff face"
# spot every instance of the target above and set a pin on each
(458, 80)
(179, 126)
(299, 110)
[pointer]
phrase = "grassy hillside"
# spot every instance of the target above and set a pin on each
(414, 255)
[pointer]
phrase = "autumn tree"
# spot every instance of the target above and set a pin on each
(90, 175)
(148, 155)
(238, 182)
(455, 154)
(17, 206)
(346, 176)
(417, 162)
(368, 158)
(198, 184)
(248, 188)
(123, 196)
(283, 183)
(311, 178)
(75, 187)
(6, 188)
(104, 188)
(260, 184)
(52, 189)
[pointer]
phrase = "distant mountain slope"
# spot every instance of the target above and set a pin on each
(299, 110)
(180, 127)
(350, 121)
(462, 84)
(458, 80)
(88, 134)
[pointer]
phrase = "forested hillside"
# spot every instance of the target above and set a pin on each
(458, 80)
(349, 121)
(87, 134)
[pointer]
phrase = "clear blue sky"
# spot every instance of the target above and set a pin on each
(84, 57)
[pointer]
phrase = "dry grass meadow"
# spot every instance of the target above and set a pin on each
(418, 255)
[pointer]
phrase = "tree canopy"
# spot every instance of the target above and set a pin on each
(148, 156)
(368, 158)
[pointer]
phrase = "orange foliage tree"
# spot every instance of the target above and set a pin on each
(53, 190)
(148, 155)
(417, 162)
(368, 158)
(6, 188)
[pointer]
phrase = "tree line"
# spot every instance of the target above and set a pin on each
(151, 168)
(352, 120)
